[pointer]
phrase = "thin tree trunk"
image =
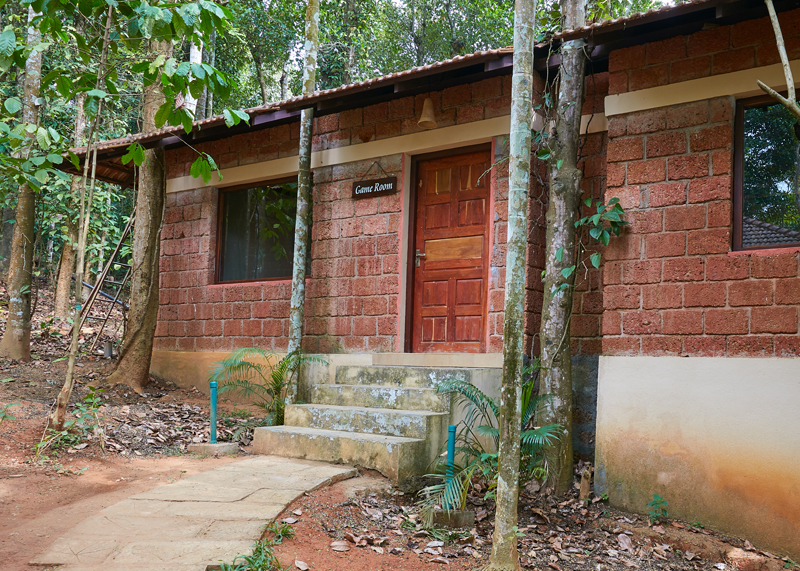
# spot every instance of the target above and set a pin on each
(68, 252)
(67, 267)
(284, 84)
(563, 209)
(195, 56)
(209, 57)
(6, 237)
(790, 101)
(16, 342)
(262, 79)
(133, 366)
(58, 417)
(505, 556)
(796, 181)
(297, 304)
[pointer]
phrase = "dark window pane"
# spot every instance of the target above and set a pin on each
(258, 232)
(769, 194)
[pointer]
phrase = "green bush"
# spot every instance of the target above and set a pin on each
(481, 423)
(261, 375)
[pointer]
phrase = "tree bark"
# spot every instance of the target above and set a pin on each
(58, 417)
(195, 56)
(6, 237)
(209, 57)
(297, 304)
(67, 266)
(133, 366)
(563, 209)
(262, 80)
(790, 101)
(16, 342)
(68, 252)
(505, 556)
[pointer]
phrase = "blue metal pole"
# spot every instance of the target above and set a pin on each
(213, 438)
(451, 455)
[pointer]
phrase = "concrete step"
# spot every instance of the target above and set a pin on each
(381, 396)
(395, 457)
(391, 422)
(419, 377)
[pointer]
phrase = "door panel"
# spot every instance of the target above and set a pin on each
(452, 238)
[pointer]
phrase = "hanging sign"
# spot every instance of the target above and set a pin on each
(379, 187)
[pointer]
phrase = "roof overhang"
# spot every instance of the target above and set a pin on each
(602, 39)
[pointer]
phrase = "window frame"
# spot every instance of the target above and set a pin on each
(738, 175)
(220, 257)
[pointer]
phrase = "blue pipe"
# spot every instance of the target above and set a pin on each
(451, 456)
(213, 438)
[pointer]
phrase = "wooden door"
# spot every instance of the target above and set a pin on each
(452, 254)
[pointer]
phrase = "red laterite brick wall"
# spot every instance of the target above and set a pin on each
(671, 284)
(354, 282)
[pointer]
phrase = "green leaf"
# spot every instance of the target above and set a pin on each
(43, 137)
(163, 114)
(560, 253)
(242, 115)
(230, 121)
(99, 93)
(559, 162)
(41, 175)
(595, 259)
(605, 238)
(170, 67)
(543, 155)
(201, 169)
(8, 41)
(587, 201)
(13, 105)
(567, 272)
(135, 153)
(595, 232)
(73, 158)
(63, 85)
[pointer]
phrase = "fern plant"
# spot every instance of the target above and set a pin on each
(261, 375)
(480, 424)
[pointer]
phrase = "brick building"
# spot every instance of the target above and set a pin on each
(685, 341)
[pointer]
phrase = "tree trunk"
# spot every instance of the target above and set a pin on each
(133, 366)
(504, 555)
(297, 304)
(6, 237)
(209, 57)
(195, 56)
(67, 267)
(16, 342)
(58, 417)
(562, 212)
(262, 79)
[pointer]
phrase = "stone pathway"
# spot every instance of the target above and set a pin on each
(193, 524)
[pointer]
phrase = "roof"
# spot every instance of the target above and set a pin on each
(758, 233)
(602, 37)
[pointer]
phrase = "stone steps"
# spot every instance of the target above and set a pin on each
(388, 421)
(386, 418)
(380, 396)
(395, 457)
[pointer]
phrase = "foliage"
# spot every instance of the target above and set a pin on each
(262, 559)
(280, 531)
(480, 425)
(658, 509)
(5, 414)
(261, 375)
(770, 166)
(86, 422)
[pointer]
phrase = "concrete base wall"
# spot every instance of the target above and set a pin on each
(719, 438)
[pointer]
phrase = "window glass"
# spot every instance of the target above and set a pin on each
(771, 214)
(258, 232)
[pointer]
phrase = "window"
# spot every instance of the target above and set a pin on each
(256, 237)
(767, 200)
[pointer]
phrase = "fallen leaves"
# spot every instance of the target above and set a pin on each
(340, 546)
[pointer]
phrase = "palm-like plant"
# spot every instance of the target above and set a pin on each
(261, 375)
(479, 425)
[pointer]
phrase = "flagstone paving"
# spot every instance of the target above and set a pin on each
(193, 524)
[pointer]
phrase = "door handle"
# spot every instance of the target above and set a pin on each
(418, 256)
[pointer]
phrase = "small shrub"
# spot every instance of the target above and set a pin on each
(261, 375)
(5, 414)
(658, 509)
(481, 421)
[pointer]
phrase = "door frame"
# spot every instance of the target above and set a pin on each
(411, 239)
